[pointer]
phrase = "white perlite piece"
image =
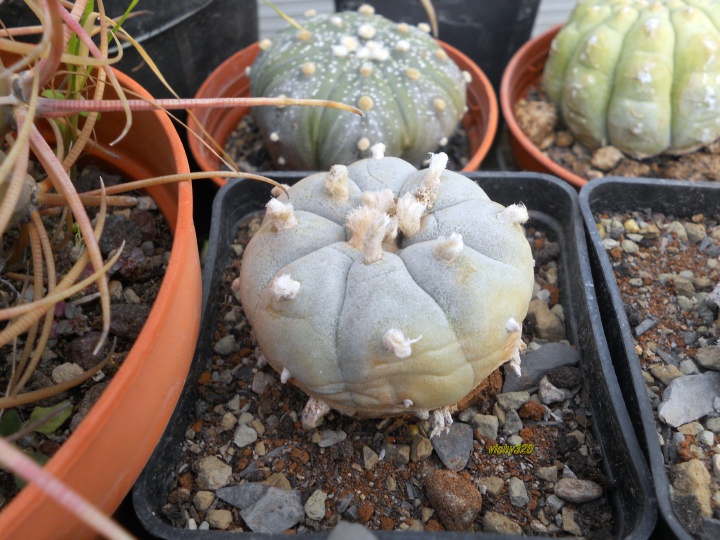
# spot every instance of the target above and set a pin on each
(395, 341)
(281, 214)
(285, 376)
(284, 287)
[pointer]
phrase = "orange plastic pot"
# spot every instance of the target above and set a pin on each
(230, 79)
(523, 72)
(103, 457)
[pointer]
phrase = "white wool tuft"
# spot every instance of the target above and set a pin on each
(382, 200)
(448, 248)
(438, 162)
(409, 212)
(281, 214)
(378, 151)
(515, 213)
(336, 183)
(284, 287)
(395, 341)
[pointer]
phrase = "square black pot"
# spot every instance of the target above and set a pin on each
(553, 204)
(674, 197)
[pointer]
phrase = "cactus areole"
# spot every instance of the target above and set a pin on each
(642, 75)
(382, 290)
(411, 93)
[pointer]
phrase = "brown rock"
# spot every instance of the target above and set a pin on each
(531, 410)
(455, 499)
(365, 512)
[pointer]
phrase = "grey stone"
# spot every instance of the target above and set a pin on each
(512, 400)
(329, 438)
(261, 381)
(242, 495)
(219, 518)
(554, 503)
(706, 437)
(709, 357)
(545, 323)
(421, 448)
(569, 524)
(713, 424)
(575, 490)
(677, 228)
(644, 326)
(225, 345)
(244, 435)
(498, 523)
(517, 492)
(691, 479)
(370, 458)
(454, 446)
(486, 425)
(399, 454)
(492, 484)
(315, 505)
(512, 424)
(212, 473)
(549, 474)
(628, 246)
(684, 287)
(689, 398)
(275, 512)
(549, 394)
(688, 367)
(695, 232)
(515, 440)
(536, 364)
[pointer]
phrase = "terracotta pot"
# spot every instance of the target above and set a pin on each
(105, 454)
(230, 80)
(523, 72)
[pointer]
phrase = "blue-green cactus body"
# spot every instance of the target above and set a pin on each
(641, 75)
(412, 94)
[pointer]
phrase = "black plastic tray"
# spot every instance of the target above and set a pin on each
(553, 204)
(677, 197)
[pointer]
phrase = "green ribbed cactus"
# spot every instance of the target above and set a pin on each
(641, 75)
(381, 290)
(412, 94)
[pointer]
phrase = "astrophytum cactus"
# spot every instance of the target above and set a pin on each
(382, 290)
(641, 75)
(411, 93)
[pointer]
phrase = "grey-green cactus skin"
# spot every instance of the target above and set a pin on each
(412, 94)
(460, 311)
(642, 75)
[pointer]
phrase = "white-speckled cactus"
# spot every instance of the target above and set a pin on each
(379, 289)
(642, 75)
(412, 94)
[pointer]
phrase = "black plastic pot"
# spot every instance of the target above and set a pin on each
(488, 31)
(676, 197)
(554, 206)
(187, 39)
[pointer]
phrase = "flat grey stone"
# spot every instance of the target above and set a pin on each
(329, 438)
(709, 357)
(242, 495)
(689, 398)
(454, 446)
(487, 425)
(512, 400)
(512, 424)
(345, 530)
(275, 512)
(517, 492)
(549, 394)
(536, 364)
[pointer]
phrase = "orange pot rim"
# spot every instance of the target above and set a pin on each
(27, 509)
(231, 70)
(527, 59)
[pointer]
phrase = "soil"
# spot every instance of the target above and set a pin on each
(372, 473)
(539, 120)
(667, 268)
(134, 284)
(245, 147)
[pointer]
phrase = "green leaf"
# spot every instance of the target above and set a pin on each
(55, 416)
(10, 423)
(52, 94)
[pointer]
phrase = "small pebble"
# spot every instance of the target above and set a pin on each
(578, 491)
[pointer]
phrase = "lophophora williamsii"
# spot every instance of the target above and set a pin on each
(382, 290)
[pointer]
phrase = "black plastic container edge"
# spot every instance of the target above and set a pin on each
(675, 197)
(553, 204)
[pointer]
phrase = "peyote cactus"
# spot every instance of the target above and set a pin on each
(642, 75)
(380, 290)
(412, 94)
